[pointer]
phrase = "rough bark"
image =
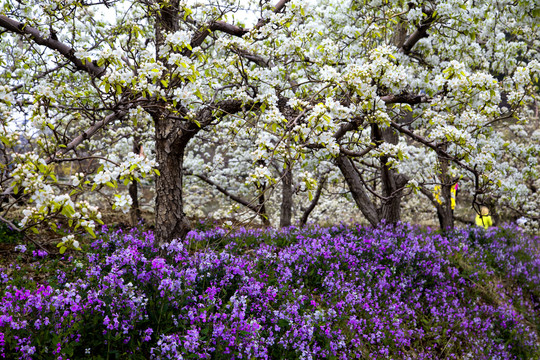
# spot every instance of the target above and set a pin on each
(420, 32)
(358, 191)
(261, 198)
(172, 133)
(446, 217)
(134, 211)
(171, 221)
(392, 182)
(286, 198)
(444, 210)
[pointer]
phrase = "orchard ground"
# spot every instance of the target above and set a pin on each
(340, 292)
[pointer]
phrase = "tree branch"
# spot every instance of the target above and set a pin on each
(227, 28)
(279, 6)
(345, 128)
(202, 34)
(355, 183)
(225, 192)
(85, 135)
(39, 76)
(411, 99)
(11, 225)
(88, 133)
(314, 202)
(420, 33)
(209, 113)
(68, 52)
(432, 146)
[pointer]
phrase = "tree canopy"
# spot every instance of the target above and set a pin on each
(269, 104)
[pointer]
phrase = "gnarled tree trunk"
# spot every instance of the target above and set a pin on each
(171, 221)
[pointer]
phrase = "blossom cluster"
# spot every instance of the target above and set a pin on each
(33, 176)
(133, 167)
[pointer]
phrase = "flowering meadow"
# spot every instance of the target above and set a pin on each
(343, 292)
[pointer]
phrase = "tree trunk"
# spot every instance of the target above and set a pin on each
(286, 198)
(171, 141)
(393, 183)
(171, 222)
(262, 206)
(358, 192)
(134, 211)
(446, 216)
(314, 202)
(444, 210)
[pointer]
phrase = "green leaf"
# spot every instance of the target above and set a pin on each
(63, 249)
(157, 172)
(91, 232)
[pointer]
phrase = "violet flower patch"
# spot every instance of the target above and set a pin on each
(297, 293)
